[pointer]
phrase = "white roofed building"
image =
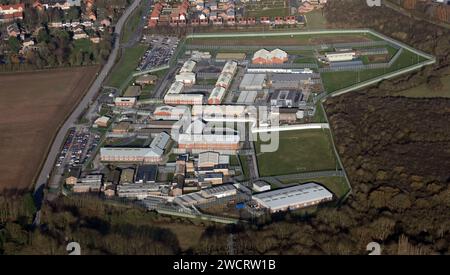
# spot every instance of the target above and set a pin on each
(186, 78)
(293, 197)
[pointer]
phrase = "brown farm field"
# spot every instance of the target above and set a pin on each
(32, 106)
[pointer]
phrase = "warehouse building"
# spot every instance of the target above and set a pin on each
(220, 191)
(170, 112)
(247, 97)
(253, 82)
(293, 197)
(263, 56)
(217, 95)
(340, 56)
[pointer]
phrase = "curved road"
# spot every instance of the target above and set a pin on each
(84, 103)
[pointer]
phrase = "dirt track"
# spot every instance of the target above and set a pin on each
(32, 105)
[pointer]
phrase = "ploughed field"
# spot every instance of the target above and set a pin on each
(32, 106)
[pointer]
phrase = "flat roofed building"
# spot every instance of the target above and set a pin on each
(128, 102)
(146, 174)
(217, 95)
(247, 97)
(188, 66)
(133, 91)
(253, 82)
(208, 159)
(186, 78)
(340, 56)
(293, 197)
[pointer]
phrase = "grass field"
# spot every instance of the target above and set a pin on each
(32, 106)
(298, 152)
(278, 40)
(424, 91)
(244, 166)
(271, 12)
(333, 81)
(126, 65)
(315, 20)
(132, 24)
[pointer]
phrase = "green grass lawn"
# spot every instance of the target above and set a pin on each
(315, 20)
(333, 81)
(271, 12)
(244, 167)
(298, 152)
(425, 91)
(82, 45)
(126, 65)
(132, 24)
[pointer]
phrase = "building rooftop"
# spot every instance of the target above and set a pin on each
(146, 173)
(298, 194)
